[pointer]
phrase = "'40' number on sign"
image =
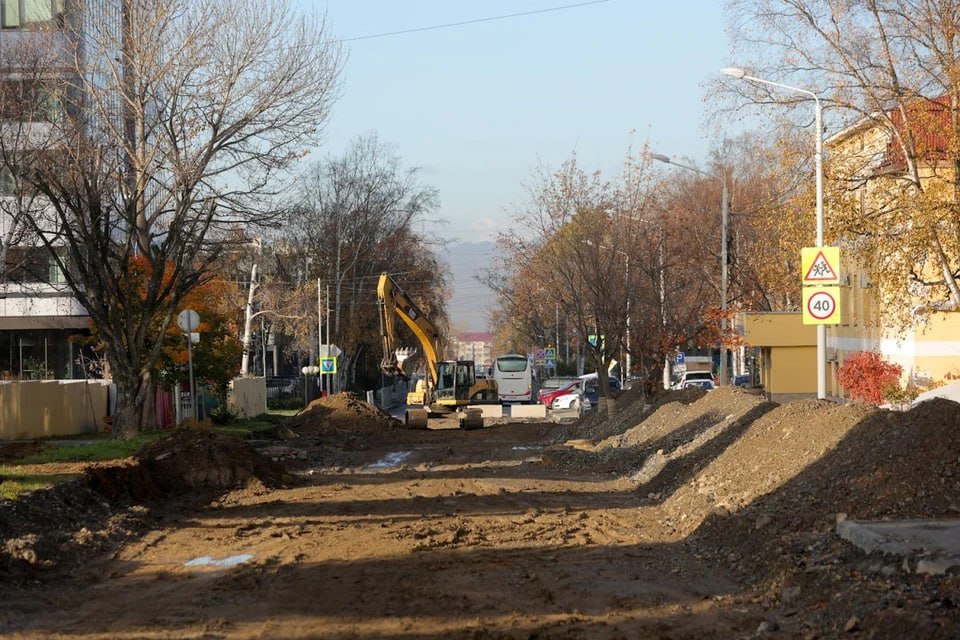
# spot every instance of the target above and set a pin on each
(821, 305)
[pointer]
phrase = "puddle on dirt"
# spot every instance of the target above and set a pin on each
(394, 459)
(528, 448)
(229, 561)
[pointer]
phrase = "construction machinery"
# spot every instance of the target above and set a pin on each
(448, 387)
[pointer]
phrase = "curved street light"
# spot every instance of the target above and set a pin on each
(740, 74)
(724, 225)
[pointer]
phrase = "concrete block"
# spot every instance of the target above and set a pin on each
(489, 410)
(528, 411)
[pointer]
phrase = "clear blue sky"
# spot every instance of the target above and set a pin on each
(478, 107)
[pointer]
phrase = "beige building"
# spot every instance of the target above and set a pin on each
(865, 156)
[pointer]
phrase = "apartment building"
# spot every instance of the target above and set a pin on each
(38, 315)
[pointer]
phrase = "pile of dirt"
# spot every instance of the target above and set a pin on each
(184, 461)
(61, 527)
(803, 464)
(632, 408)
(343, 412)
(74, 520)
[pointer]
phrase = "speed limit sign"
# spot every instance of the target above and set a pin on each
(821, 305)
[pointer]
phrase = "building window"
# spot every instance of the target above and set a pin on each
(27, 14)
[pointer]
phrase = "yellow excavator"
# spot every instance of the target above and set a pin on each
(449, 386)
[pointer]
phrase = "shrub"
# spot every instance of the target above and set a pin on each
(866, 376)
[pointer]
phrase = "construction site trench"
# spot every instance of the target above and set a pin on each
(688, 515)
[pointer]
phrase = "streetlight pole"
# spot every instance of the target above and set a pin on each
(724, 277)
(740, 74)
(626, 373)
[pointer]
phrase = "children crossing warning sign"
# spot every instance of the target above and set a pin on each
(820, 265)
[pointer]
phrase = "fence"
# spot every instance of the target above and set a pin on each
(43, 408)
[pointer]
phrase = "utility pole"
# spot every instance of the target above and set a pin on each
(319, 333)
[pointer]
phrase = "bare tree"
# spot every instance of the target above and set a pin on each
(356, 216)
(179, 120)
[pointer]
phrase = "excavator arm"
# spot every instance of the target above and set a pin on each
(394, 301)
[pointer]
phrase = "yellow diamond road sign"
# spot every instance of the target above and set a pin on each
(821, 305)
(820, 265)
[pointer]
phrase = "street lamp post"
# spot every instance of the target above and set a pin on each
(724, 277)
(740, 74)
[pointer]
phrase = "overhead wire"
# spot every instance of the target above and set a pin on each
(474, 21)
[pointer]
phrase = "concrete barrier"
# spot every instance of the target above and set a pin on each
(489, 410)
(528, 411)
(247, 397)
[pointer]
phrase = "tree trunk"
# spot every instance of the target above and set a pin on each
(135, 406)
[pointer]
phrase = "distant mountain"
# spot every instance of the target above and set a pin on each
(471, 302)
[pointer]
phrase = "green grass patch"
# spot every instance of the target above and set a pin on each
(102, 448)
(15, 484)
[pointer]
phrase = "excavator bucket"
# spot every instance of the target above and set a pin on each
(394, 366)
(402, 356)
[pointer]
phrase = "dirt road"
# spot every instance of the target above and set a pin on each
(371, 531)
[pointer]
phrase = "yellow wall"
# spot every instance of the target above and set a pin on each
(789, 352)
(43, 408)
(790, 370)
(778, 330)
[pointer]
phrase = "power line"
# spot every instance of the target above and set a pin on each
(475, 21)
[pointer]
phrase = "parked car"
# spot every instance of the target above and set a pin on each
(280, 386)
(574, 399)
(550, 385)
(741, 381)
(592, 387)
(572, 387)
(707, 385)
(693, 375)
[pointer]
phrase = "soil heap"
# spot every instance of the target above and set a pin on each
(341, 412)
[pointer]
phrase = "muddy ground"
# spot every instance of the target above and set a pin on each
(697, 516)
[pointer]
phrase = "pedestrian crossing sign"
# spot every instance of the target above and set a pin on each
(328, 364)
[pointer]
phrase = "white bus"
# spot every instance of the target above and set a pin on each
(514, 375)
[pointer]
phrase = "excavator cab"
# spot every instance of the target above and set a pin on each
(455, 382)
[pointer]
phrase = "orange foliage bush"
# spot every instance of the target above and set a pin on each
(866, 376)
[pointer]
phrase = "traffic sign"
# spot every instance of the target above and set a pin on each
(549, 353)
(820, 265)
(681, 358)
(821, 305)
(328, 364)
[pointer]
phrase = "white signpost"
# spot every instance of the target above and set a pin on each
(189, 320)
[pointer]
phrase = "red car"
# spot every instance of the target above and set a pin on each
(550, 385)
(548, 397)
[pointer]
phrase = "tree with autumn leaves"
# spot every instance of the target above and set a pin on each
(216, 357)
(887, 73)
